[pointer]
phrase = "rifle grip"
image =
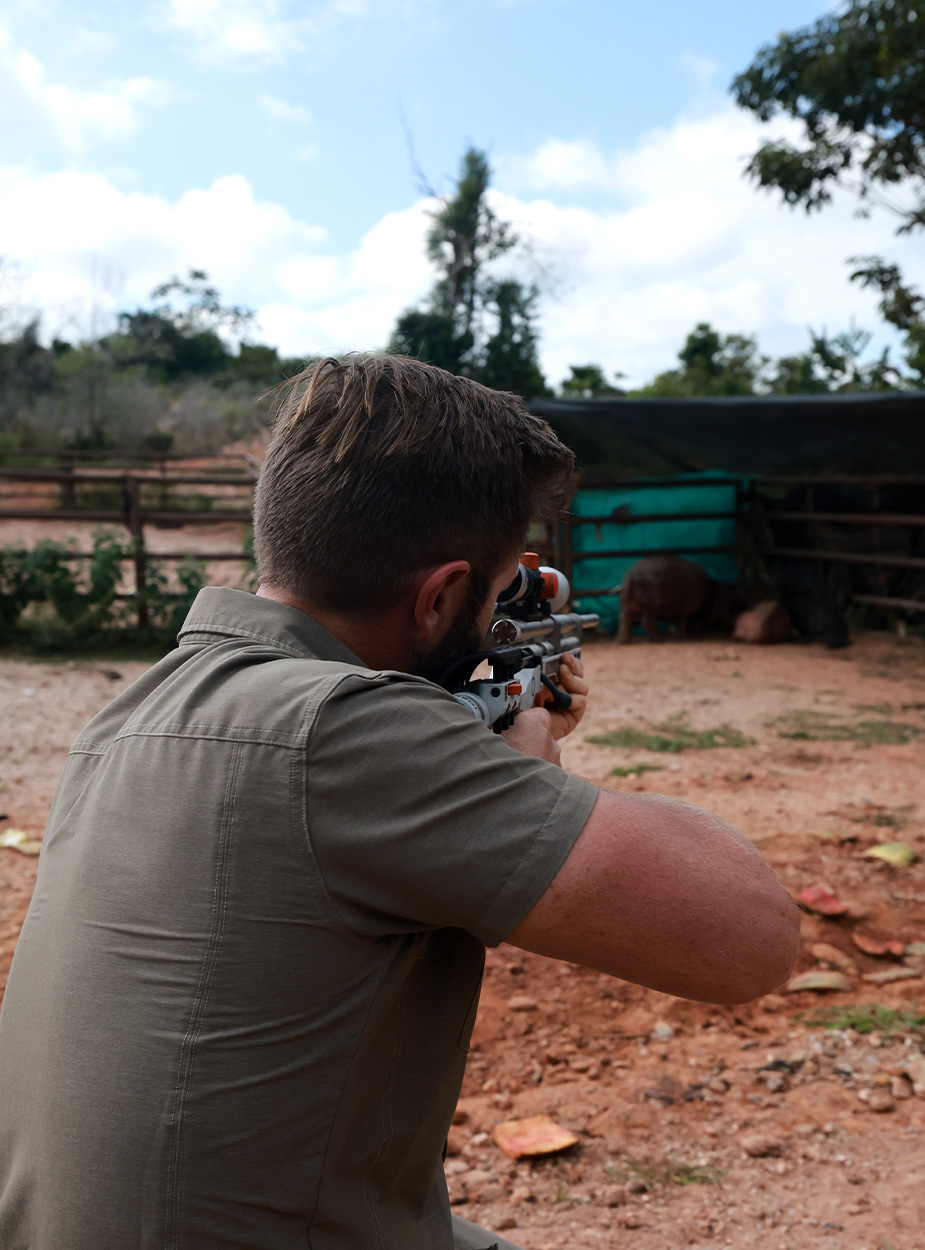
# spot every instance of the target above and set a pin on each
(560, 699)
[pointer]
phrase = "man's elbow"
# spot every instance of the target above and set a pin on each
(767, 957)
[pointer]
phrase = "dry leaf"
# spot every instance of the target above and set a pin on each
(900, 854)
(19, 840)
(822, 899)
(828, 954)
(819, 980)
(536, 1135)
(891, 974)
(873, 946)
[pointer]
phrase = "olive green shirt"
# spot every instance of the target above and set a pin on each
(239, 1008)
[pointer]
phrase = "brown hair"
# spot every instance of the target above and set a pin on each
(382, 465)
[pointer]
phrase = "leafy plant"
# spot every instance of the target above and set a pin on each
(673, 735)
(806, 725)
(54, 600)
(634, 770)
(867, 1018)
(668, 1173)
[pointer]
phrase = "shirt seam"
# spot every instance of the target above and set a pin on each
(306, 823)
(340, 1098)
(221, 733)
(203, 990)
(529, 850)
(230, 632)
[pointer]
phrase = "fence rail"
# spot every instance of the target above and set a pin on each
(134, 514)
(750, 511)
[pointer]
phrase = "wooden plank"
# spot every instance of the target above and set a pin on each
(105, 477)
(61, 514)
(886, 601)
(848, 518)
(151, 516)
(636, 518)
(845, 557)
(635, 483)
(871, 479)
(205, 557)
(649, 551)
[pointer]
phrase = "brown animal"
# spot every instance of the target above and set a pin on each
(667, 588)
(768, 621)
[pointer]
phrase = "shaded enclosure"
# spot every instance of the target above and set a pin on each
(820, 499)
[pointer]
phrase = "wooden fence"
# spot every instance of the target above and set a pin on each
(148, 496)
(139, 498)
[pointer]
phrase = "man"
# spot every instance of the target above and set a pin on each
(240, 1005)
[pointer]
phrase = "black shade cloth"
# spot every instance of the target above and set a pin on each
(788, 434)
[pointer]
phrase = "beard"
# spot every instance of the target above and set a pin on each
(462, 638)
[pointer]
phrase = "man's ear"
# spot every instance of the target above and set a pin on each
(440, 595)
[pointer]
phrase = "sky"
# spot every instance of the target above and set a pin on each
(286, 148)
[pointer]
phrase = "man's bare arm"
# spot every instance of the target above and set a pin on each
(667, 896)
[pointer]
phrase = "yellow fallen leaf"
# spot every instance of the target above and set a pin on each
(892, 974)
(19, 840)
(536, 1135)
(898, 853)
(818, 980)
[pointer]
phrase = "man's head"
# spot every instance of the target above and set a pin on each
(381, 467)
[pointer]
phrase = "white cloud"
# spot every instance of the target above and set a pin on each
(88, 250)
(284, 111)
(675, 236)
(306, 153)
(686, 239)
(242, 31)
(76, 117)
(92, 42)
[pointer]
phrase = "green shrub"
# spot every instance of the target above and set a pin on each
(51, 601)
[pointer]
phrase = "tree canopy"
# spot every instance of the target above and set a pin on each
(478, 321)
(855, 82)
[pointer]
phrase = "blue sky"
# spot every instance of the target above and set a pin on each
(265, 140)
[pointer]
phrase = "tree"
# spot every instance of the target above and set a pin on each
(181, 336)
(200, 311)
(476, 322)
(710, 365)
(833, 364)
(589, 382)
(855, 82)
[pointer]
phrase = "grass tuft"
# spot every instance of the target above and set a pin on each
(672, 736)
(806, 725)
(866, 1018)
(634, 770)
(653, 1174)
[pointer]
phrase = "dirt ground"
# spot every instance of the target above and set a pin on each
(697, 1125)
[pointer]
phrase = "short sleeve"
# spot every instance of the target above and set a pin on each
(420, 817)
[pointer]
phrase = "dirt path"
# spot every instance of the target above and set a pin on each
(698, 1126)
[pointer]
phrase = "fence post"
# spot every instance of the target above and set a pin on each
(133, 519)
(68, 496)
(567, 557)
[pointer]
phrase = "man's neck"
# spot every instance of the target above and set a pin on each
(379, 642)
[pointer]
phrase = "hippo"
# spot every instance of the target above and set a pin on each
(667, 588)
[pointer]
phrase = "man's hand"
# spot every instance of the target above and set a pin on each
(532, 734)
(572, 681)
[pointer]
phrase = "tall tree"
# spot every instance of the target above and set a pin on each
(589, 382)
(711, 364)
(855, 82)
(476, 322)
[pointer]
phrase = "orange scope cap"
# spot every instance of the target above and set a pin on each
(550, 586)
(530, 560)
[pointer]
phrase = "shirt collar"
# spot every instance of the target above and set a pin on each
(220, 612)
